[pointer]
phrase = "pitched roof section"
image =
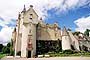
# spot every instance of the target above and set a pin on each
(64, 32)
(31, 7)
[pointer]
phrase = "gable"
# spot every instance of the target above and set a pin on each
(28, 14)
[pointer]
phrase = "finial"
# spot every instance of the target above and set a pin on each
(64, 27)
(31, 6)
(24, 5)
(24, 9)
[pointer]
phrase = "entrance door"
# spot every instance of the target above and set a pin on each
(29, 54)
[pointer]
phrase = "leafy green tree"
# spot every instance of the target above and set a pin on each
(10, 48)
(86, 33)
(76, 33)
(6, 50)
(69, 29)
(1, 46)
(9, 44)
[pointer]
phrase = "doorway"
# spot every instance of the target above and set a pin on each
(29, 54)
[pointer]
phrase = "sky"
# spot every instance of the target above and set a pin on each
(74, 14)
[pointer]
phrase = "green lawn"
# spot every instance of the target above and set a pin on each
(2, 55)
(60, 54)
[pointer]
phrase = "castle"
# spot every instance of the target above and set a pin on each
(30, 30)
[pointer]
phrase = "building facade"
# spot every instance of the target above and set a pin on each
(30, 29)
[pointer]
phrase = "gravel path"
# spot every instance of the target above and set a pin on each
(51, 58)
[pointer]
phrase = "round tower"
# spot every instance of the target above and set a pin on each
(65, 40)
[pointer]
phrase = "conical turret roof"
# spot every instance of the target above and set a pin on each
(64, 32)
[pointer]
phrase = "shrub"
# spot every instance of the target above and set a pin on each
(67, 52)
(12, 52)
(1, 46)
(6, 50)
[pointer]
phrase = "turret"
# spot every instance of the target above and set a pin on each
(74, 41)
(65, 40)
(29, 19)
(40, 21)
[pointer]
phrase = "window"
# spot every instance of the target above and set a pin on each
(31, 15)
(55, 34)
(29, 31)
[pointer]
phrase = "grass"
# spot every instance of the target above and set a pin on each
(2, 55)
(61, 54)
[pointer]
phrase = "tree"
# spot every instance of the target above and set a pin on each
(1, 46)
(6, 50)
(69, 29)
(86, 33)
(9, 44)
(76, 33)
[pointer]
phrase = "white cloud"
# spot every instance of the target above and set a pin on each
(82, 24)
(5, 22)
(5, 35)
(5, 32)
(9, 10)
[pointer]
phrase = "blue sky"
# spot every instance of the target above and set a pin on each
(74, 14)
(67, 18)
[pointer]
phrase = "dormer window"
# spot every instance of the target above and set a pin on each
(31, 15)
